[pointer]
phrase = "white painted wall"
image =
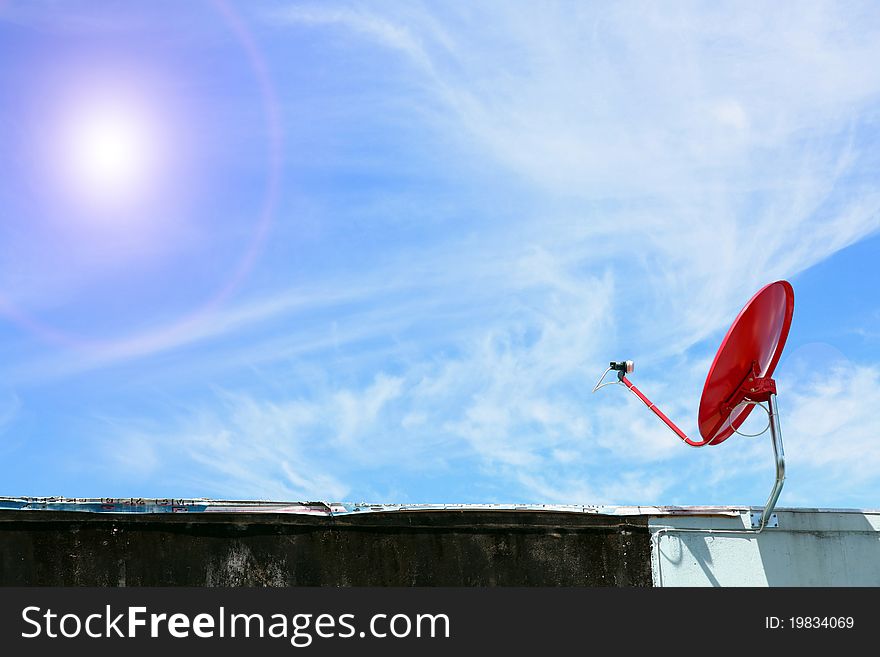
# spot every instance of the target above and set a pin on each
(810, 547)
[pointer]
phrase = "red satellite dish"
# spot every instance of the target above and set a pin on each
(748, 353)
(739, 379)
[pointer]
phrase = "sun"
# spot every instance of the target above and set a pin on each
(110, 152)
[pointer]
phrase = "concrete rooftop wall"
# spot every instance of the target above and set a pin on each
(316, 544)
(808, 548)
(422, 548)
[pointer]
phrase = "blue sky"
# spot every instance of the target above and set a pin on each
(381, 251)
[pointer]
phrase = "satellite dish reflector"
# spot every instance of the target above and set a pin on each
(748, 354)
(739, 379)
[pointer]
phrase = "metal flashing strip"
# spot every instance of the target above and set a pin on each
(319, 508)
(132, 505)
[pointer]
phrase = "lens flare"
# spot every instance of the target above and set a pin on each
(124, 160)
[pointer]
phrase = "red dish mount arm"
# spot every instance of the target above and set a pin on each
(753, 388)
(651, 407)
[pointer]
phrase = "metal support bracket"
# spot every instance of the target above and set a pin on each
(772, 521)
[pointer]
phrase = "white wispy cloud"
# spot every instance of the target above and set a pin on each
(833, 428)
(719, 141)
(493, 407)
(711, 149)
(367, 24)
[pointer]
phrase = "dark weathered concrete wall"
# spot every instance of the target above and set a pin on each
(428, 548)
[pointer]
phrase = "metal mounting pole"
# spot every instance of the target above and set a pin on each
(761, 521)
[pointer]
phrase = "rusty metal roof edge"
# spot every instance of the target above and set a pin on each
(205, 505)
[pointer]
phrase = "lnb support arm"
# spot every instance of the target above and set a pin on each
(627, 367)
